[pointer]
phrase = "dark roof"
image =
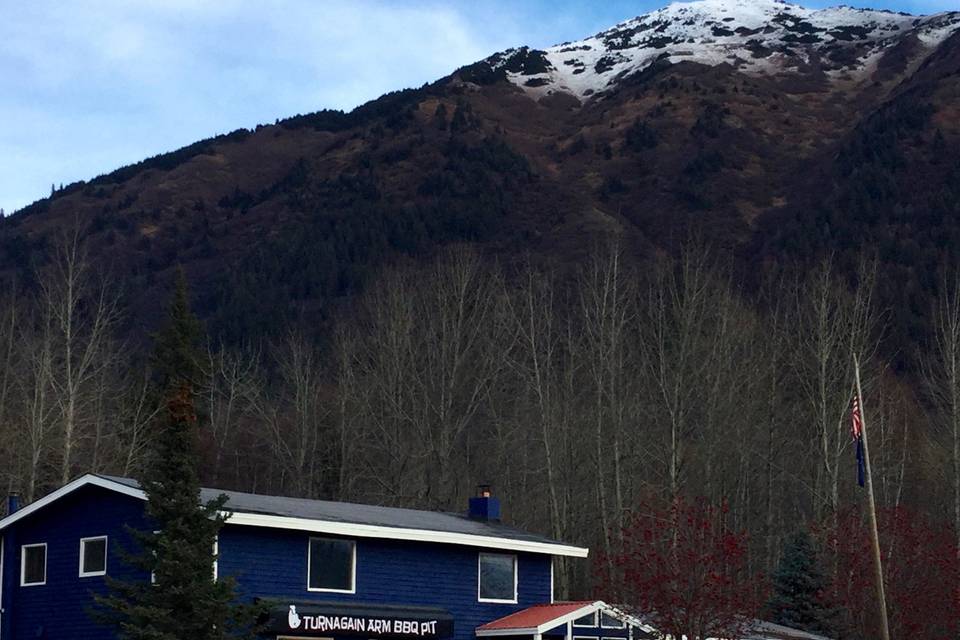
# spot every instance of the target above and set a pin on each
(361, 514)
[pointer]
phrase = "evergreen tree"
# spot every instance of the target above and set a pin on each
(175, 351)
(182, 600)
(798, 588)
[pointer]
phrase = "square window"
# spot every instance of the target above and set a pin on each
(33, 565)
(498, 578)
(93, 556)
(331, 565)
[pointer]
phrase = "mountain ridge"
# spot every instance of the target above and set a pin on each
(756, 36)
(778, 168)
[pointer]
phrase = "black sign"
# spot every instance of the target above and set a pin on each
(369, 621)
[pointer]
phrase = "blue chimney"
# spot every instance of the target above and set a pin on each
(484, 506)
(13, 503)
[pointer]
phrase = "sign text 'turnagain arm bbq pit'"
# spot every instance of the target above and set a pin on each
(373, 622)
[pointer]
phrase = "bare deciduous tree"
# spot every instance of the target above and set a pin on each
(82, 312)
(942, 375)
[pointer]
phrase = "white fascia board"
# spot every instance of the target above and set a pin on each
(629, 619)
(400, 533)
(82, 481)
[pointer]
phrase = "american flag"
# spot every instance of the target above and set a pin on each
(856, 428)
(856, 425)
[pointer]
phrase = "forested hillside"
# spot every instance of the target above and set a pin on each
(614, 279)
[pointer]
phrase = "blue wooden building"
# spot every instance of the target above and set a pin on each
(328, 569)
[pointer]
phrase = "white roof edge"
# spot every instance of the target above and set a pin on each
(585, 610)
(400, 533)
(318, 526)
(70, 487)
(630, 618)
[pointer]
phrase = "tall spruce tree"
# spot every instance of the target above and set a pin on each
(183, 599)
(176, 345)
(798, 588)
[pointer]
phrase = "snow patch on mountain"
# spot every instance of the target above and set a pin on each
(756, 36)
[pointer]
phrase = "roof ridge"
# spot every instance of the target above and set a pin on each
(343, 518)
(125, 479)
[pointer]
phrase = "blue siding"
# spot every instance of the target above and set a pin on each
(58, 609)
(273, 563)
(268, 563)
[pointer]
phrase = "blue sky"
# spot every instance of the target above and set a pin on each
(88, 86)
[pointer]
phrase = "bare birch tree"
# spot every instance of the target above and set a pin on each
(294, 416)
(834, 321)
(605, 297)
(543, 363)
(941, 371)
(459, 350)
(82, 314)
(230, 394)
(675, 337)
(38, 407)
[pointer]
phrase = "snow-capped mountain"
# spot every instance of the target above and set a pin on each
(778, 133)
(755, 36)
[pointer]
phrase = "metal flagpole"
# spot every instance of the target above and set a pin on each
(884, 625)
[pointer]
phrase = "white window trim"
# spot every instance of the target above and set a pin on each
(353, 572)
(588, 638)
(553, 561)
(216, 557)
(153, 574)
(23, 564)
(622, 623)
(594, 625)
(516, 571)
(106, 545)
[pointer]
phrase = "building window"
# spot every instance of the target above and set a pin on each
(610, 621)
(33, 565)
(589, 620)
(332, 565)
(497, 578)
(93, 556)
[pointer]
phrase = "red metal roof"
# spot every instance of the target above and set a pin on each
(535, 616)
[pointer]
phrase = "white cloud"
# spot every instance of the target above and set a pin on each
(107, 83)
